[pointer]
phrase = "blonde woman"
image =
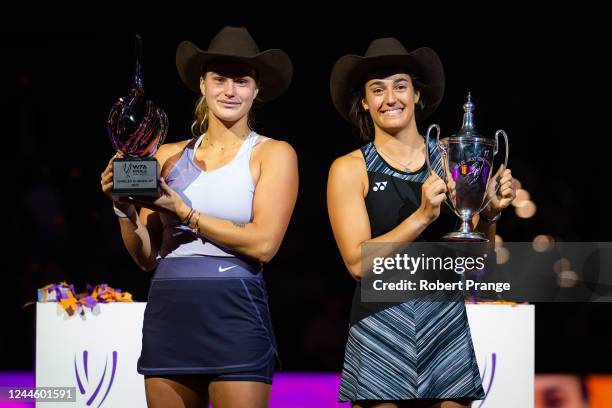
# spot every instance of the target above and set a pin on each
(228, 195)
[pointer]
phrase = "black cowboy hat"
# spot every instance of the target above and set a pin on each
(235, 44)
(350, 72)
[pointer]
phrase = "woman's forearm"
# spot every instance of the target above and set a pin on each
(250, 239)
(407, 231)
(487, 229)
(480, 224)
(137, 241)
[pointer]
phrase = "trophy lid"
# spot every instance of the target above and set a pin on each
(467, 127)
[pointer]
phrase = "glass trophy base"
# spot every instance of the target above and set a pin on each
(465, 236)
(136, 177)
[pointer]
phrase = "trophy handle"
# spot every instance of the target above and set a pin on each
(431, 127)
(448, 200)
(500, 131)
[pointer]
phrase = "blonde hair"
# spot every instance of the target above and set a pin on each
(200, 115)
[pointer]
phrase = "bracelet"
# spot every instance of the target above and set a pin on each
(185, 221)
(196, 227)
(188, 221)
(130, 211)
(492, 220)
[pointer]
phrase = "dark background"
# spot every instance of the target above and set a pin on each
(542, 75)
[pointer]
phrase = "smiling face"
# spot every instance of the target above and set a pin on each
(390, 99)
(229, 90)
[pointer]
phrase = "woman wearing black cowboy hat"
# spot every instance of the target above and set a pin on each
(228, 195)
(418, 353)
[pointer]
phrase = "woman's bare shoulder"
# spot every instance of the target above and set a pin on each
(349, 172)
(351, 162)
(270, 147)
(168, 150)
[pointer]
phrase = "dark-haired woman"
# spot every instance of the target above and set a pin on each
(418, 353)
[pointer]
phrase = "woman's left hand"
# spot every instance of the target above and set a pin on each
(169, 201)
(502, 197)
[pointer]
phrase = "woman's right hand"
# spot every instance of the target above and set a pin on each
(106, 180)
(433, 194)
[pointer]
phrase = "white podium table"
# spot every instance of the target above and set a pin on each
(98, 351)
(97, 354)
(504, 342)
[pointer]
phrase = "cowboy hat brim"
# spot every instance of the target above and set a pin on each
(350, 72)
(274, 68)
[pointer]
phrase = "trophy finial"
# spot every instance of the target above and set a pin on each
(467, 127)
(468, 115)
(138, 71)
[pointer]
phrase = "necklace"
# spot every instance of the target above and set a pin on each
(403, 165)
(207, 143)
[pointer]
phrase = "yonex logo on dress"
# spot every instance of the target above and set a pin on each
(380, 185)
(225, 269)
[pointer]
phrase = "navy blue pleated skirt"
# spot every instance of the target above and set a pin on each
(207, 315)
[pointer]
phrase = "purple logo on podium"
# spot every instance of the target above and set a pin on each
(98, 387)
(487, 379)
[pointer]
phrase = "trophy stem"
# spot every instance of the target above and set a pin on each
(465, 233)
(465, 226)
